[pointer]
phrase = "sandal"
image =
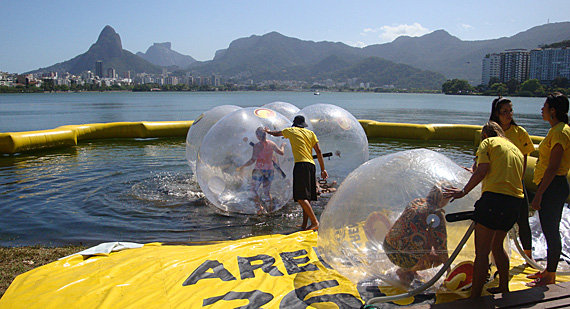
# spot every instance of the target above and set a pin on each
(536, 275)
(537, 282)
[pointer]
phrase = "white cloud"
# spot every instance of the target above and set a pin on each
(389, 33)
(465, 27)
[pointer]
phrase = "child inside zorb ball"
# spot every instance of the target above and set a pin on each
(418, 239)
(396, 233)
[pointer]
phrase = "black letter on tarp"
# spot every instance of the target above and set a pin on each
(292, 263)
(246, 269)
(218, 271)
(325, 264)
(256, 299)
(296, 299)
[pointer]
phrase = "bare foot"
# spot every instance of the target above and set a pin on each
(312, 227)
(406, 276)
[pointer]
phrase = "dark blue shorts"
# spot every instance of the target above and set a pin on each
(497, 211)
(262, 175)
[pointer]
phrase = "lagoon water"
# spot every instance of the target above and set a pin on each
(142, 190)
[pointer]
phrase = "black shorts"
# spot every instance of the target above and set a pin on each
(497, 211)
(304, 182)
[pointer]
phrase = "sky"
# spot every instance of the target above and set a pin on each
(36, 34)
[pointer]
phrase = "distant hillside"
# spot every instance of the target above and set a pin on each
(162, 54)
(407, 62)
(108, 49)
(270, 52)
(274, 56)
(441, 52)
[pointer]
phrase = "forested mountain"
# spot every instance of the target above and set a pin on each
(108, 49)
(162, 54)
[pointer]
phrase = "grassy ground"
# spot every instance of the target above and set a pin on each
(18, 260)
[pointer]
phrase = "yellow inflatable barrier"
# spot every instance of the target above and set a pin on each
(33, 140)
(70, 135)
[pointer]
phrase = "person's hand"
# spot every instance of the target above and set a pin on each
(283, 144)
(239, 169)
(453, 193)
(536, 202)
(266, 130)
(324, 175)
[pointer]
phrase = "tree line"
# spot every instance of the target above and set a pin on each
(529, 88)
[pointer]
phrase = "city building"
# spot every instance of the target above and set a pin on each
(508, 65)
(111, 73)
(550, 63)
(491, 67)
(515, 64)
(99, 69)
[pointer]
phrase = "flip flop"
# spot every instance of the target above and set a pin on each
(537, 282)
(536, 275)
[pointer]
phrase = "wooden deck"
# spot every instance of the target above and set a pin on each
(550, 296)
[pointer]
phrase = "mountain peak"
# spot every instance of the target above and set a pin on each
(166, 45)
(110, 42)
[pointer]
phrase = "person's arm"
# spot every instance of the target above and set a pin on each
(324, 174)
(553, 164)
(274, 133)
(478, 175)
(279, 151)
(254, 155)
(524, 166)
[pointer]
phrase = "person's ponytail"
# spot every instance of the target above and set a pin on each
(559, 102)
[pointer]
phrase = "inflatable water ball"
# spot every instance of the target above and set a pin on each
(340, 134)
(386, 223)
(200, 127)
(286, 109)
(229, 145)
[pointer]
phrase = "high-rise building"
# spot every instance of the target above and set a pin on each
(491, 67)
(99, 68)
(111, 73)
(547, 64)
(515, 64)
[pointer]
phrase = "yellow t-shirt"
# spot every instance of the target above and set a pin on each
(520, 138)
(302, 142)
(505, 166)
(559, 134)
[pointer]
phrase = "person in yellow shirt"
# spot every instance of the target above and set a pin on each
(550, 176)
(303, 141)
(502, 113)
(499, 169)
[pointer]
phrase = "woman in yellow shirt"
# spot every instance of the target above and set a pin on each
(499, 169)
(550, 176)
(502, 113)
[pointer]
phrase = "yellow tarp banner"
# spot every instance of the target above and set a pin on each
(274, 271)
